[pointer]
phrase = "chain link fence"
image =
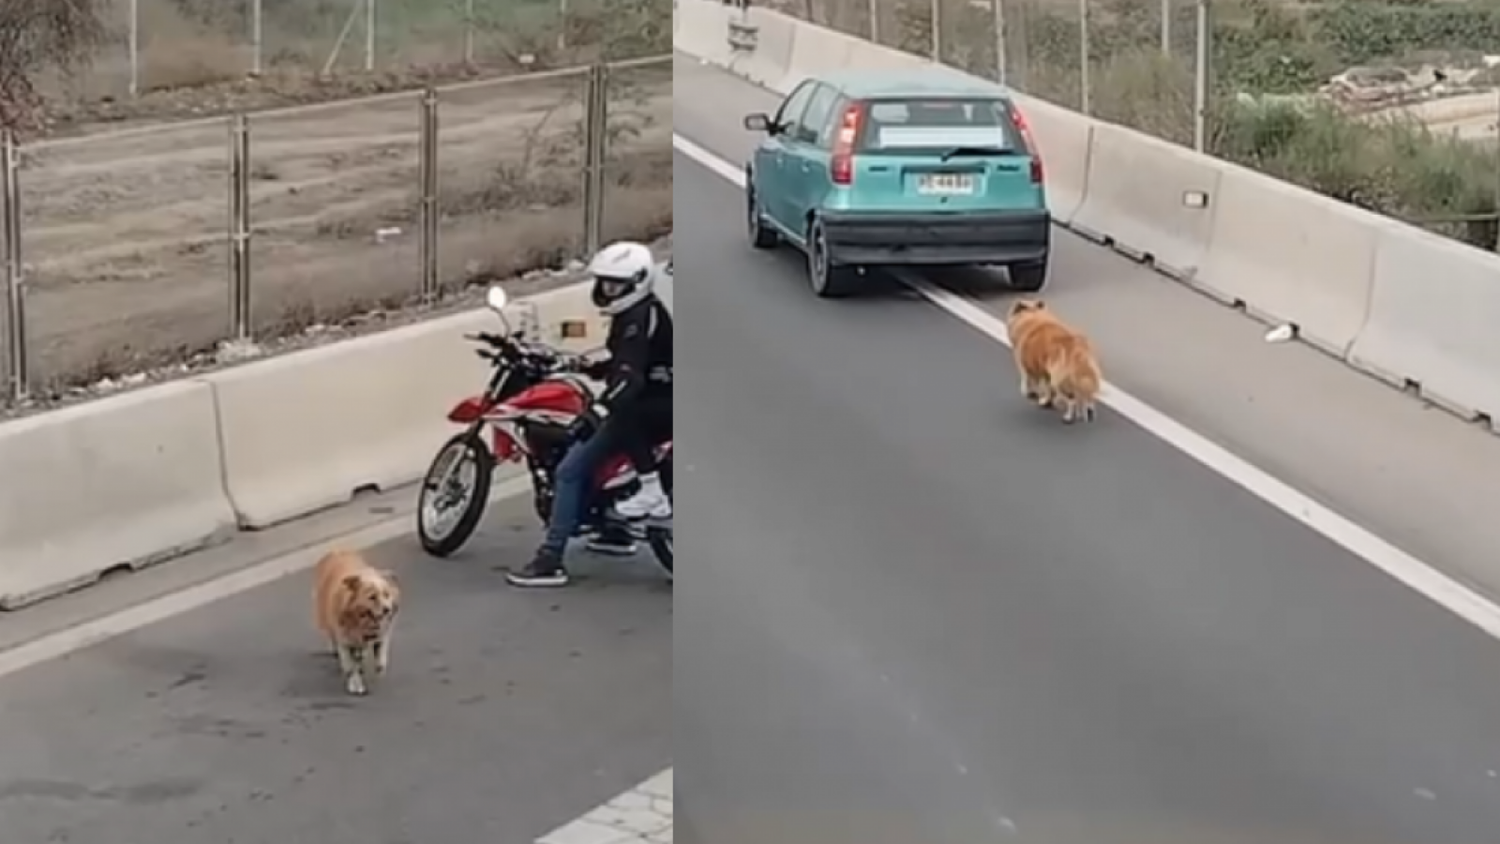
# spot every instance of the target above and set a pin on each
(170, 45)
(167, 247)
(1391, 105)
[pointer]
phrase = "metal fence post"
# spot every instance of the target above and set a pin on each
(370, 9)
(596, 138)
(874, 11)
(17, 367)
(1083, 52)
(429, 176)
(1202, 60)
(1166, 26)
(937, 30)
(257, 35)
(469, 23)
(240, 323)
(135, 48)
(998, 15)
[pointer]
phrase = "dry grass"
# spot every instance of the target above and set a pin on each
(205, 44)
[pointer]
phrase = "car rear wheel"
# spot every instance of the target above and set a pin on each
(829, 281)
(1029, 277)
(762, 236)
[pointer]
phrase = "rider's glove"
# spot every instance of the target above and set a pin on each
(585, 424)
(596, 370)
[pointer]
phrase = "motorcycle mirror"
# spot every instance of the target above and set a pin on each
(496, 299)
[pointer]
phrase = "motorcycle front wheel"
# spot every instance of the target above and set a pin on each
(454, 494)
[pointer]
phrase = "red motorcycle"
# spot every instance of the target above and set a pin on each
(532, 397)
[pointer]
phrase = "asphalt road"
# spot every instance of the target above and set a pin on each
(917, 609)
(505, 715)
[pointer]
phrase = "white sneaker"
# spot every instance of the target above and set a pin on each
(650, 501)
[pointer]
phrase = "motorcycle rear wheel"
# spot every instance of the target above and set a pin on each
(462, 449)
(660, 537)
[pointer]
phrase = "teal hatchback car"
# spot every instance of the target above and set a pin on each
(911, 168)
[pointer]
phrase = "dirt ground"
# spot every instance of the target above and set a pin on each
(125, 236)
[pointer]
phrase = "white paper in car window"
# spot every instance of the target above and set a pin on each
(941, 136)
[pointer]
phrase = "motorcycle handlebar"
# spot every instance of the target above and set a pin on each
(514, 348)
(486, 338)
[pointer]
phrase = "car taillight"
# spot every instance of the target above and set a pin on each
(1038, 175)
(841, 164)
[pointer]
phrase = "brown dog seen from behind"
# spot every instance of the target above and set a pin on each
(355, 607)
(1056, 362)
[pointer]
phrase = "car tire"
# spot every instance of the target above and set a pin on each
(828, 281)
(761, 235)
(1028, 277)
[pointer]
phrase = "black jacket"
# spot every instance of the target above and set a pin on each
(639, 367)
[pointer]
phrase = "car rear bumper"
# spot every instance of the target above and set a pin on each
(904, 238)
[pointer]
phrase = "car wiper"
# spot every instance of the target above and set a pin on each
(957, 151)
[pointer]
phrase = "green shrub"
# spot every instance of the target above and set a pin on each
(1392, 166)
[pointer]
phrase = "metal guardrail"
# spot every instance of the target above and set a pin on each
(16, 374)
(15, 280)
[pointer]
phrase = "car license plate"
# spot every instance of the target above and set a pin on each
(946, 183)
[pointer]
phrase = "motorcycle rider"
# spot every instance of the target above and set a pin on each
(633, 411)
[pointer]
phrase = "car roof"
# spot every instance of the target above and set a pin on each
(934, 80)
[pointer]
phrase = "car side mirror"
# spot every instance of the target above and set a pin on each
(759, 123)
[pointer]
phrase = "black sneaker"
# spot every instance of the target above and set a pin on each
(614, 541)
(545, 569)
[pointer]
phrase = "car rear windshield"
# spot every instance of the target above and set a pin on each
(938, 125)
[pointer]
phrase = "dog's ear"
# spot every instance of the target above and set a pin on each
(391, 578)
(351, 582)
(1038, 305)
(1021, 306)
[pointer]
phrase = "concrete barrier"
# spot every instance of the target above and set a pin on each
(702, 29)
(118, 483)
(1066, 139)
(1291, 256)
(770, 62)
(868, 54)
(817, 51)
(310, 430)
(1432, 321)
(1136, 199)
(146, 476)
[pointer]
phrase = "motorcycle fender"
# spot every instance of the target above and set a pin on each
(470, 410)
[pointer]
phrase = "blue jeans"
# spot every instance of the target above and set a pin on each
(574, 483)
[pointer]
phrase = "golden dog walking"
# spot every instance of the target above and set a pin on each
(355, 606)
(1056, 362)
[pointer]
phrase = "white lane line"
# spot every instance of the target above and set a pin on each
(90, 633)
(642, 815)
(1414, 573)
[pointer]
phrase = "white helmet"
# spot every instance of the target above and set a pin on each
(624, 274)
